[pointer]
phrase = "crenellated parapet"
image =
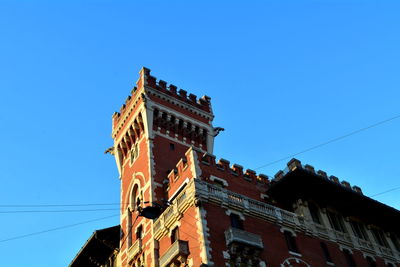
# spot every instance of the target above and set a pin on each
(149, 88)
(125, 111)
(147, 80)
(177, 172)
(294, 164)
(236, 171)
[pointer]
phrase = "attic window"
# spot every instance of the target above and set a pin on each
(219, 181)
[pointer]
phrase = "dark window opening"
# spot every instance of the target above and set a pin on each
(379, 237)
(139, 232)
(291, 241)
(174, 235)
(137, 203)
(171, 147)
(390, 265)
(349, 258)
(359, 230)
(219, 183)
(236, 222)
(336, 222)
(326, 253)
(314, 213)
(370, 261)
(395, 241)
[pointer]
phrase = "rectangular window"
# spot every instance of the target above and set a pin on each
(171, 146)
(139, 232)
(395, 241)
(336, 222)
(314, 213)
(379, 237)
(326, 253)
(290, 241)
(236, 222)
(349, 258)
(174, 235)
(371, 262)
(358, 230)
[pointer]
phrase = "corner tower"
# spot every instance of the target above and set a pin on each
(153, 130)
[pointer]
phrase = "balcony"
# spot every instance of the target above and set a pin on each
(135, 249)
(178, 251)
(239, 236)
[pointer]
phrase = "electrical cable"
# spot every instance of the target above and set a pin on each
(329, 141)
(55, 205)
(387, 191)
(130, 231)
(56, 229)
(51, 211)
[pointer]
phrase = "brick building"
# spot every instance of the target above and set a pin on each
(182, 207)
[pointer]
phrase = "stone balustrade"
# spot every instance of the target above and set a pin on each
(178, 251)
(207, 192)
(135, 249)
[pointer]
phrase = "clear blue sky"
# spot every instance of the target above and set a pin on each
(283, 76)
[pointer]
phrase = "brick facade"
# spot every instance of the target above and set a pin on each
(213, 213)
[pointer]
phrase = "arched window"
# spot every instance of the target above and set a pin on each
(135, 198)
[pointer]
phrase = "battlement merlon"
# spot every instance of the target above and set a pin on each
(294, 164)
(148, 82)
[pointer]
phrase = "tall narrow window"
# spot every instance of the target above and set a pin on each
(395, 241)
(370, 261)
(314, 213)
(336, 222)
(349, 258)
(139, 232)
(171, 146)
(326, 253)
(174, 234)
(129, 229)
(236, 222)
(290, 241)
(379, 237)
(359, 230)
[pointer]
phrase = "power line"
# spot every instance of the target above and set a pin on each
(387, 191)
(52, 211)
(55, 229)
(55, 205)
(329, 142)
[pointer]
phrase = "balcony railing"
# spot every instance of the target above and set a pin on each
(240, 236)
(179, 250)
(211, 193)
(135, 249)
